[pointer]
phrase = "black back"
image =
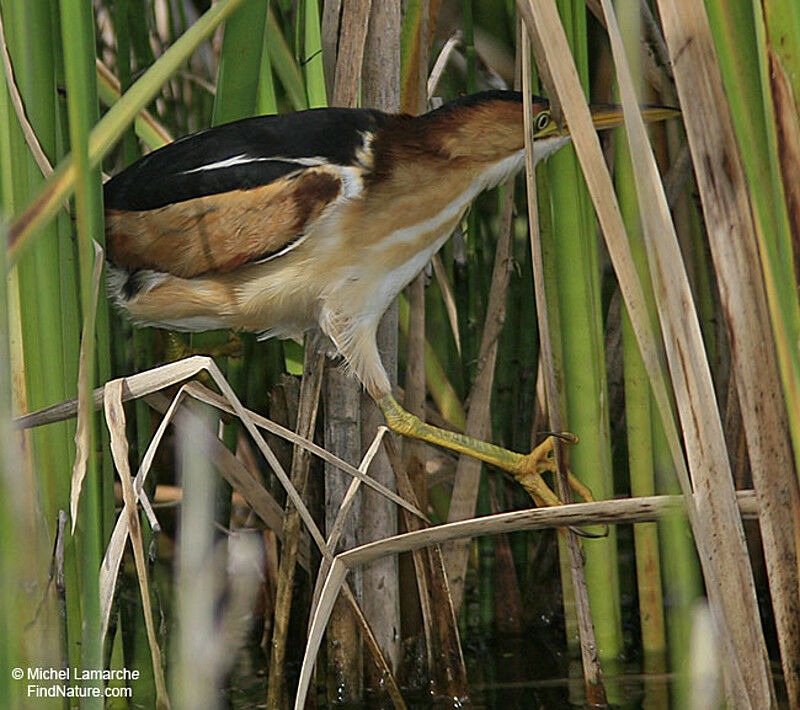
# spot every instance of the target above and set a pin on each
(166, 176)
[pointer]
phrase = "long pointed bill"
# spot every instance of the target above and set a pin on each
(610, 116)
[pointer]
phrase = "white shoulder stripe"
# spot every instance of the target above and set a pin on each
(226, 163)
(244, 159)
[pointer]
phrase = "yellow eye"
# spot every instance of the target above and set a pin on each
(542, 120)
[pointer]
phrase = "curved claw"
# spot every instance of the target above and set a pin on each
(541, 459)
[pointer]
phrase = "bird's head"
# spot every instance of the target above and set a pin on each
(549, 136)
(489, 125)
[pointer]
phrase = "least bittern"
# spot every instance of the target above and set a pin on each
(315, 221)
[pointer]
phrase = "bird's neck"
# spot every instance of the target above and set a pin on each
(485, 132)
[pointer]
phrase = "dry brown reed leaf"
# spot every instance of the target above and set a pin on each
(109, 568)
(449, 299)
(786, 120)
(146, 383)
(731, 232)
(84, 424)
(717, 524)
(441, 63)
(438, 267)
(115, 419)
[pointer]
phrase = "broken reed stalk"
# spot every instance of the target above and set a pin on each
(342, 394)
(146, 383)
(447, 672)
(313, 368)
(197, 364)
(468, 470)
(595, 692)
(415, 610)
(380, 89)
(266, 508)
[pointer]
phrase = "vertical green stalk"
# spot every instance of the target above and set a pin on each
(548, 245)
(9, 528)
(575, 264)
(239, 63)
(9, 552)
(311, 59)
(32, 54)
(80, 73)
(266, 101)
(237, 91)
(680, 568)
(637, 390)
(42, 304)
(285, 67)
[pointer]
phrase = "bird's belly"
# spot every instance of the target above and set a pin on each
(398, 277)
(259, 299)
(365, 289)
(286, 296)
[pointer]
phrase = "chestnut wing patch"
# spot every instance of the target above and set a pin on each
(218, 232)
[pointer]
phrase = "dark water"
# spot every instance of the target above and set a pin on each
(504, 674)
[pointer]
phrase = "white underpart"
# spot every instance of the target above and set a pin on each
(400, 277)
(356, 340)
(545, 147)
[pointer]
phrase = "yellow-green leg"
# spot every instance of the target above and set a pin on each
(176, 349)
(526, 469)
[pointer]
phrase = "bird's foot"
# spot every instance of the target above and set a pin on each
(528, 472)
